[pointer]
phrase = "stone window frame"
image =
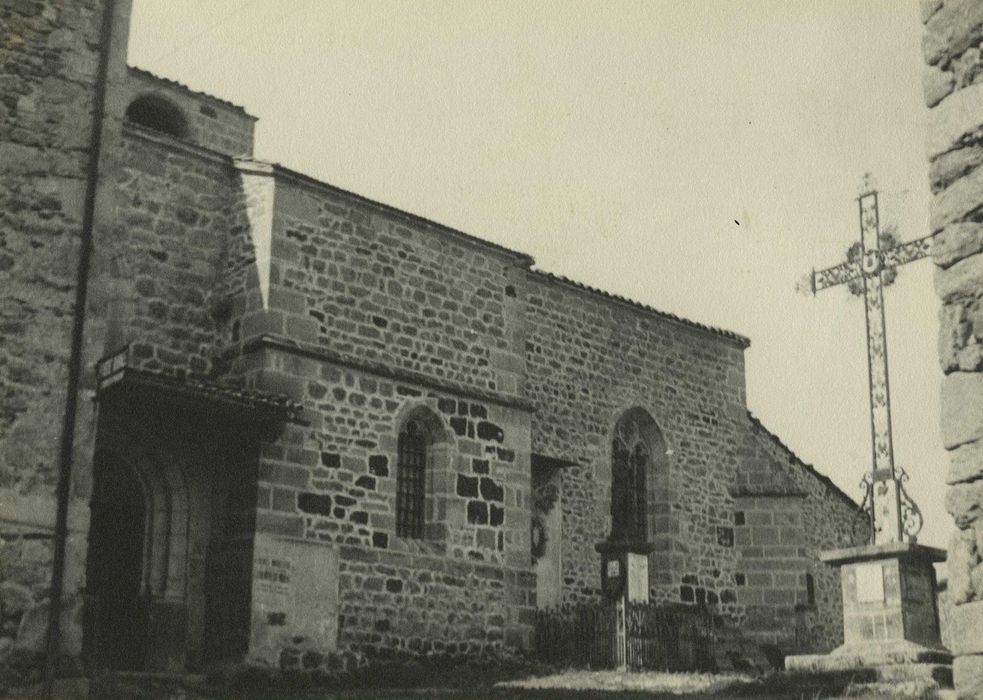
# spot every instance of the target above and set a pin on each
(440, 471)
(412, 451)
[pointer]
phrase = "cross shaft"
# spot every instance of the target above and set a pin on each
(893, 514)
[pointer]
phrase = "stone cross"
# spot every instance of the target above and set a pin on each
(869, 267)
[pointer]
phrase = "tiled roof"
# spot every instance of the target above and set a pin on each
(117, 369)
(822, 478)
(740, 339)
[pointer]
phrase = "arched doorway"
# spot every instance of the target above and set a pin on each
(115, 582)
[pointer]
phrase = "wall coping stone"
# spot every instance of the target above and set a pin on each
(381, 369)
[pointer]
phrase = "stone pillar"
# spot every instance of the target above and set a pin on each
(953, 84)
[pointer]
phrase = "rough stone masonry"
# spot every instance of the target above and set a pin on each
(953, 82)
(279, 376)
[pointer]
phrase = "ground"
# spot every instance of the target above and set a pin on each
(610, 685)
(478, 684)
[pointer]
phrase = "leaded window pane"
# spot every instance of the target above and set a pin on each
(411, 481)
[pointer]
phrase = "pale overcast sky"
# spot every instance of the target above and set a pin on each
(619, 144)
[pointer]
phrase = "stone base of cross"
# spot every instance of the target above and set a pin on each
(890, 614)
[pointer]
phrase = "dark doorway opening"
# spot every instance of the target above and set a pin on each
(116, 617)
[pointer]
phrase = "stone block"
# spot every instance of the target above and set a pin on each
(952, 28)
(962, 558)
(965, 503)
(936, 84)
(948, 167)
(958, 114)
(958, 201)
(966, 463)
(956, 242)
(280, 524)
(929, 8)
(967, 676)
(962, 408)
(954, 332)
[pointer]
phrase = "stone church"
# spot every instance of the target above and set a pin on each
(298, 423)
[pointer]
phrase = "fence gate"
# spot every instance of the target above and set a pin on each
(659, 637)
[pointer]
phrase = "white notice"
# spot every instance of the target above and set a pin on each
(870, 583)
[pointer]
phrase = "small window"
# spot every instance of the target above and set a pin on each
(155, 112)
(810, 590)
(411, 480)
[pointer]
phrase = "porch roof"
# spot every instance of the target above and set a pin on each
(116, 375)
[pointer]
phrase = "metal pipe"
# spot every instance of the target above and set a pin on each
(67, 444)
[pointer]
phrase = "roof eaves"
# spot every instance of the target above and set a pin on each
(197, 93)
(519, 258)
(822, 478)
(740, 340)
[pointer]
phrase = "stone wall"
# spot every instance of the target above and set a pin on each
(787, 514)
(590, 358)
(177, 208)
(953, 82)
(369, 317)
(50, 57)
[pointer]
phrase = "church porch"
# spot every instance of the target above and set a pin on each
(172, 521)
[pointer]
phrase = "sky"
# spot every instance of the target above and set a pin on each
(697, 157)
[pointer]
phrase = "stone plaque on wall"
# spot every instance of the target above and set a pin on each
(295, 594)
(870, 583)
(638, 578)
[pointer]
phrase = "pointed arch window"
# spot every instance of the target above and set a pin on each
(630, 459)
(411, 480)
(637, 450)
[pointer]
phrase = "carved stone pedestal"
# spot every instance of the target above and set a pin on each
(890, 615)
(625, 569)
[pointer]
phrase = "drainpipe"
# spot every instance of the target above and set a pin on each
(67, 444)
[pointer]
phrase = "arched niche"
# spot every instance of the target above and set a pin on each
(160, 114)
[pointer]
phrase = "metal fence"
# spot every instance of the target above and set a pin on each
(658, 637)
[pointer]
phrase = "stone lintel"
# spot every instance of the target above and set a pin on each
(888, 550)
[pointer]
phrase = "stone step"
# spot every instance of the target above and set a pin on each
(868, 656)
(940, 674)
(915, 690)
